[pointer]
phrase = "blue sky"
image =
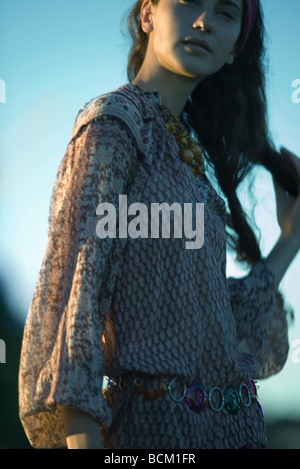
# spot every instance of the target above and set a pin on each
(55, 56)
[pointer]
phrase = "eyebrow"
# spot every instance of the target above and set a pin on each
(230, 3)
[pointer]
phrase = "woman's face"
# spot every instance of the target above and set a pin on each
(174, 25)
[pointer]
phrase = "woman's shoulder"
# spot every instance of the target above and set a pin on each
(122, 104)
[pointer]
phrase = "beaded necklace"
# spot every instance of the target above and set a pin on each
(191, 152)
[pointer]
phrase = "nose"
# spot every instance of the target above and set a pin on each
(204, 21)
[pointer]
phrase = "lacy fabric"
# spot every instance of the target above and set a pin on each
(102, 307)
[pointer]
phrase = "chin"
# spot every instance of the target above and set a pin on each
(195, 67)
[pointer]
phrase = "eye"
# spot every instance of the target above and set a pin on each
(196, 2)
(227, 14)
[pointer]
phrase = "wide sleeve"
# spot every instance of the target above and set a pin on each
(61, 360)
(261, 318)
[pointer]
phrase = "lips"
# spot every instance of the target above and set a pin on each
(197, 42)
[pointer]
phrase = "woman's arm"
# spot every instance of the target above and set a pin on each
(62, 346)
(288, 215)
(282, 255)
(82, 431)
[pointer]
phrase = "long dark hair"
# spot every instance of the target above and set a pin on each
(228, 113)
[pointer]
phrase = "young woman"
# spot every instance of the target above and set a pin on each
(180, 343)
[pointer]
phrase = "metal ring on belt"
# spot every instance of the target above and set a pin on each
(222, 399)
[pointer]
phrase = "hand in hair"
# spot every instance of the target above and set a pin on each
(288, 207)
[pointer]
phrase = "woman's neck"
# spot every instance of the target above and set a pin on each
(173, 89)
